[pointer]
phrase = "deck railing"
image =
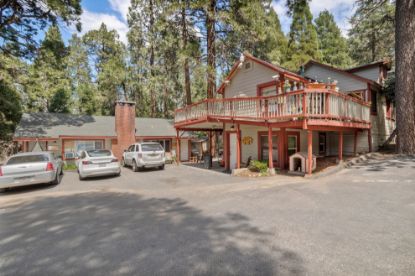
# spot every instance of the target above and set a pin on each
(310, 104)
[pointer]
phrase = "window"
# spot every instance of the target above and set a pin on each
(166, 144)
(98, 153)
(374, 107)
(264, 148)
(131, 148)
(88, 145)
(151, 147)
(268, 88)
(292, 144)
(27, 159)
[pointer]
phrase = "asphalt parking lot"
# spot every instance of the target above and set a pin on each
(185, 221)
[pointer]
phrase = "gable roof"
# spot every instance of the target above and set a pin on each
(271, 66)
(329, 67)
(58, 124)
(385, 63)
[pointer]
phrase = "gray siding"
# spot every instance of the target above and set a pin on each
(245, 81)
(371, 73)
(345, 83)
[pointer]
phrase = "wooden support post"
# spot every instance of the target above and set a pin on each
(355, 143)
(282, 149)
(340, 145)
(177, 147)
(270, 159)
(369, 138)
(310, 151)
(46, 149)
(238, 147)
(63, 149)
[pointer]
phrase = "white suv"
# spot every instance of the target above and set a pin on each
(144, 155)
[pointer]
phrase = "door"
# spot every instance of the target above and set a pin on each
(322, 141)
(232, 151)
(128, 156)
(292, 145)
(184, 150)
(264, 148)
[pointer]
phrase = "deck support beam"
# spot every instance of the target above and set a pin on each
(369, 138)
(340, 145)
(238, 147)
(270, 159)
(282, 148)
(178, 147)
(309, 152)
(355, 143)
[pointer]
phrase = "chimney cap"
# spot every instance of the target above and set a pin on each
(125, 102)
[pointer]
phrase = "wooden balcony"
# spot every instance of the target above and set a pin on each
(319, 106)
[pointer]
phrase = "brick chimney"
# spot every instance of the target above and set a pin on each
(124, 126)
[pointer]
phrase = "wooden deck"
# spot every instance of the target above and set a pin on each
(316, 106)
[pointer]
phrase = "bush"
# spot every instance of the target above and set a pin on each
(258, 166)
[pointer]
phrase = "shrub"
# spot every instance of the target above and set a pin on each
(258, 166)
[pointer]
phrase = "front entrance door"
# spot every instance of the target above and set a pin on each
(264, 148)
(232, 151)
(184, 150)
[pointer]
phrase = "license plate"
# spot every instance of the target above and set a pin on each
(154, 155)
(102, 165)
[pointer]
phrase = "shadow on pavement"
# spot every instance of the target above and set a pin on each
(120, 233)
(378, 165)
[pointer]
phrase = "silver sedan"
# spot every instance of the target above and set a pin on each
(30, 168)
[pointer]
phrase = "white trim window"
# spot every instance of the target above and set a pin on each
(88, 145)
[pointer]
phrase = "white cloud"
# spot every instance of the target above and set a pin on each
(120, 6)
(341, 9)
(93, 20)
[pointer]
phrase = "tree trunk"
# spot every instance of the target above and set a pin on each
(152, 92)
(405, 75)
(186, 59)
(211, 65)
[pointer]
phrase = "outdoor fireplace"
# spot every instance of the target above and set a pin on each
(299, 162)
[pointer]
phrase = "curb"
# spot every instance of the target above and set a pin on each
(343, 165)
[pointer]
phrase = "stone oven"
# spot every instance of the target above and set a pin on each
(299, 162)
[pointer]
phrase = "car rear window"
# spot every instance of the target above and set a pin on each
(151, 147)
(27, 159)
(99, 153)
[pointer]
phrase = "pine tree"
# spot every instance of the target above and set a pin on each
(333, 46)
(48, 74)
(302, 38)
(109, 61)
(84, 91)
(372, 34)
(21, 20)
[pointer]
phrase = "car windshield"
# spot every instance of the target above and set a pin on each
(151, 147)
(27, 159)
(99, 153)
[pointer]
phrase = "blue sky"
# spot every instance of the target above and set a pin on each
(114, 14)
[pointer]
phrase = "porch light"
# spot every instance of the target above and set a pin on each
(232, 127)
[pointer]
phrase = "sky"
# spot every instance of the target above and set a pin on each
(114, 14)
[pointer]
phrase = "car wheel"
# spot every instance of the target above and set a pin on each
(135, 167)
(56, 180)
(161, 167)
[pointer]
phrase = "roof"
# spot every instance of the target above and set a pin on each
(311, 62)
(271, 66)
(58, 124)
(385, 63)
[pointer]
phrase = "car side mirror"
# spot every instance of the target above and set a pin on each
(125, 150)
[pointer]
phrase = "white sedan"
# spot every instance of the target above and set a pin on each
(97, 163)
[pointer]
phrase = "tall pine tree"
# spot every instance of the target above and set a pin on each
(372, 33)
(48, 89)
(302, 38)
(333, 46)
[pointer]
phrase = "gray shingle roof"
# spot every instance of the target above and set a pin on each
(56, 124)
